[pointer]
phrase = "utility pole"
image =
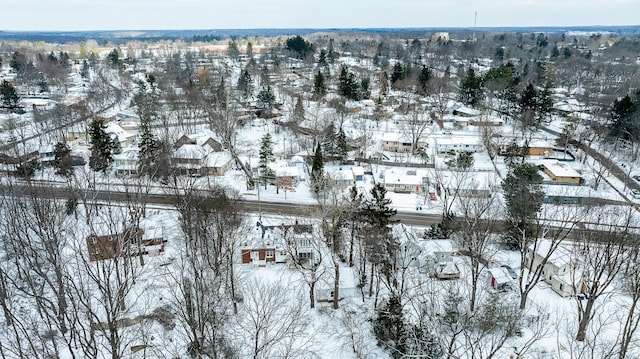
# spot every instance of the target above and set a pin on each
(475, 17)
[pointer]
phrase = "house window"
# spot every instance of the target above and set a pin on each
(561, 287)
(94, 239)
(304, 255)
(96, 251)
(269, 254)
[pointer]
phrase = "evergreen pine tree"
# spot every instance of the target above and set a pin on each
(84, 72)
(102, 146)
(342, 148)
(331, 55)
(62, 159)
(348, 86)
(471, 88)
(266, 97)
(381, 246)
(317, 171)
(266, 153)
(523, 195)
(10, 97)
(398, 73)
(423, 80)
(319, 87)
(389, 327)
(298, 110)
(329, 144)
(148, 148)
(322, 58)
(245, 84)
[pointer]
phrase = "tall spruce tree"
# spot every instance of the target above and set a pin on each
(317, 171)
(10, 97)
(319, 87)
(342, 148)
(102, 146)
(523, 194)
(266, 153)
(62, 159)
(423, 80)
(298, 110)
(148, 148)
(381, 246)
(471, 88)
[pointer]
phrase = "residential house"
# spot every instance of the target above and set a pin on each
(436, 254)
(152, 237)
(458, 144)
(107, 244)
(402, 181)
(289, 172)
(275, 244)
(560, 172)
(341, 178)
(396, 142)
(126, 163)
(47, 155)
(110, 241)
(561, 270)
(124, 138)
(466, 112)
(201, 159)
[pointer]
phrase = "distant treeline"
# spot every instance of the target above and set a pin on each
(207, 35)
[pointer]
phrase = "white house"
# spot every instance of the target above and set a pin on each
(403, 181)
(124, 137)
(126, 163)
(288, 172)
(561, 270)
(341, 177)
(458, 144)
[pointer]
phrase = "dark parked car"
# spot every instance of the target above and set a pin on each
(512, 273)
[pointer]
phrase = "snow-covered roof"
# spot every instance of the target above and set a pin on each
(559, 257)
(559, 169)
(458, 140)
(129, 153)
(405, 177)
(190, 151)
(287, 172)
(357, 170)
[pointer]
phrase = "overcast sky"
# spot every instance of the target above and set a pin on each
(235, 14)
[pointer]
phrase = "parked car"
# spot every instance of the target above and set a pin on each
(635, 193)
(510, 270)
(636, 177)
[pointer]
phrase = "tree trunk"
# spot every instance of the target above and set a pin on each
(474, 282)
(584, 320)
(630, 326)
(523, 300)
(336, 287)
(312, 294)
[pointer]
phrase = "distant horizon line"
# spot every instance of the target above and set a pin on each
(336, 28)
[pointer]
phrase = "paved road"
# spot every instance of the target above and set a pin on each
(253, 206)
